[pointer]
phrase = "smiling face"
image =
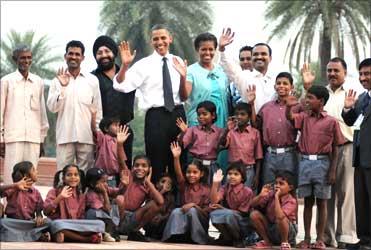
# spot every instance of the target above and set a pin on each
(234, 177)
(105, 58)
(141, 168)
(365, 77)
(113, 128)
(242, 117)
(161, 40)
(205, 117)
(193, 174)
(261, 58)
(164, 183)
(206, 52)
(283, 87)
(313, 103)
(74, 57)
(246, 60)
(72, 177)
(24, 61)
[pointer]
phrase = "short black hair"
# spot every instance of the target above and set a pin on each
(238, 166)
(202, 168)
(365, 63)
(142, 156)
(21, 170)
(205, 37)
(320, 92)
(106, 122)
(209, 106)
(264, 44)
(244, 106)
(160, 26)
(93, 175)
(287, 176)
(286, 75)
(75, 44)
(340, 60)
(245, 48)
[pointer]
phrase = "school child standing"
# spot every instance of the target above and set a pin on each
(155, 228)
(244, 143)
(98, 201)
(24, 221)
(318, 145)
(133, 215)
(275, 214)
(106, 151)
(65, 204)
(278, 134)
(202, 140)
(231, 205)
(191, 221)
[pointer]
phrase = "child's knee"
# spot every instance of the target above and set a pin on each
(255, 215)
(120, 201)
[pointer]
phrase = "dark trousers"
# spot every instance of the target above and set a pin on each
(128, 148)
(160, 130)
(362, 191)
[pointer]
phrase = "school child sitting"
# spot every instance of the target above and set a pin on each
(278, 134)
(318, 145)
(106, 151)
(202, 140)
(133, 215)
(65, 204)
(24, 221)
(275, 215)
(231, 205)
(98, 201)
(243, 143)
(190, 222)
(155, 228)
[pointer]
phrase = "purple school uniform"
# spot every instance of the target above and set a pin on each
(244, 146)
(96, 200)
(203, 144)
(22, 204)
(236, 197)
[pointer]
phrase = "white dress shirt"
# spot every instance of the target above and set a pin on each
(146, 75)
(23, 112)
(243, 78)
(74, 104)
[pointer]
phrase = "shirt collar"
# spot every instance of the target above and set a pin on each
(269, 74)
(322, 113)
(20, 77)
(212, 128)
(195, 187)
(236, 188)
(247, 129)
(341, 88)
(158, 56)
(285, 198)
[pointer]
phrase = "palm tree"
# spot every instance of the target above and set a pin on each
(41, 58)
(332, 21)
(132, 21)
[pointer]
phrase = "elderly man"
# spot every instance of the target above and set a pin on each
(74, 95)
(24, 123)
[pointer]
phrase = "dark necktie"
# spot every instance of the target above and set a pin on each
(168, 91)
(367, 101)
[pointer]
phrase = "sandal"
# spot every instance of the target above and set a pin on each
(262, 245)
(319, 244)
(305, 244)
(285, 246)
(45, 237)
(96, 238)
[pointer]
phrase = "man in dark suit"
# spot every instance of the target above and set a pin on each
(358, 112)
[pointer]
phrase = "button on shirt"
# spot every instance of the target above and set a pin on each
(23, 112)
(335, 105)
(243, 78)
(146, 75)
(74, 104)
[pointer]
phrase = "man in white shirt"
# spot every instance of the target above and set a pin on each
(261, 77)
(158, 77)
(74, 95)
(24, 123)
(342, 193)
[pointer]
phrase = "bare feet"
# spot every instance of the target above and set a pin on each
(59, 237)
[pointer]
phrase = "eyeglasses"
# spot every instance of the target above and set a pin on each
(245, 59)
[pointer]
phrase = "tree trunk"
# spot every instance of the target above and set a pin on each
(325, 52)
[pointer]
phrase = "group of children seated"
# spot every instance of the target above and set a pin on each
(110, 200)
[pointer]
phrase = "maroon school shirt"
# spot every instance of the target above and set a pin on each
(276, 129)
(318, 134)
(237, 197)
(244, 146)
(194, 193)
(204, 144)
(22, 204)
(96, 200)
(69, 208)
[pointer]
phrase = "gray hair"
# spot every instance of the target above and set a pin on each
(18, 49)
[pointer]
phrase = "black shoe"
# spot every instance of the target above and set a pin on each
(221, 241)
(137, 236)
(238, 244)
(342, 245)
